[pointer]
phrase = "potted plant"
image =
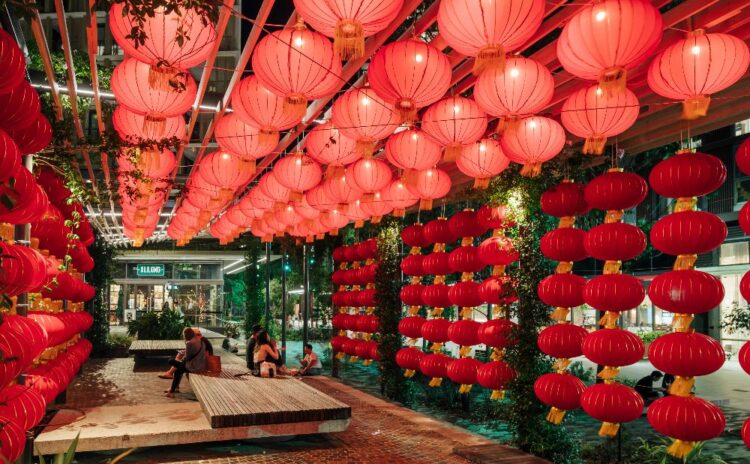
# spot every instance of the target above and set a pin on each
(649, 337)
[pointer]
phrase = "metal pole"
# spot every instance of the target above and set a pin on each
(267, 317)
(283, 308)
(305, 291)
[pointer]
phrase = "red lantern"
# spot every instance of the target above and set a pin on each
(337, 190)
(533, 141)
(561, 392)
(350, 346)
(436, 330)
(686, 354)
(435, 365)
(326, 144)
(399, 197)
(409, 359)
(482, 160)
(369, 175)
(497, 251)
(687, 71)
(465, 294)
(687, 419)
(436, 296)
(496, 375)
(742, 156)
(454, 122)
(14, 62)
(297, 172)
(130, 126)
(439, 231)
(362, 115)
(562, 340)
(412, 236)
(296, 63)
(498, 333)
(686, 291)
(495, 217)
(615, 190)
(498, 290)
(437, 264)
(412, 265)
(744, 218)
(464, 332)
(688, 232)
(20, 107)
(410, 74)
(24, 405)
(614, 292)
(242, 139)
(224, 170)
(364, 349)
(613, 348)
(595, 115)
(564, 244)
(411, 326)
(523, 87)
(33, 138)
(412, 149)
(744, 357)
(746, 432)
(348, 23)
(564, 199)
(337, 342)
(562, 290)
(687, 174)
(429, 185)
(412, 294)
(613, 404)
(465, 259)
(488, 31)
(463, 371)
(258, 107)
(12, 438)
(606, 39)
(615, 241)
(10, 155)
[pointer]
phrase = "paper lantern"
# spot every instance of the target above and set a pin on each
(438, 231)
(463, 371)
(437, 295)
(595, 115)
(349, 22)
(410, 74)
(12, 438)
(497, 251)
(744, 218)
(376, 206)
(615, 241)
(20, 107)
(339, 189)
(369, 175)
(465, 294)
(496, 375)
(24, 405)
(14, 63)
(272, 188)
(606, 39)
(334, 220)
(562, 340)
(562, 290)
(258, 107)
(429, 185)
(362, 115)
(412, 149)
(613, 404)
(687, 419)
(412, 294)
(297, 172)
(615, 190)
(746, 432)
(436, 330)
(564, 244)
(498, 333)
(328, 145)
(744, 357)
(239, 138)
(688, 232)
(533, 141)
(10, 155)
(482, 160)
(130, 86)
(564, 199)
(411, 326)
(687, 174)
(464, 332)
(454, 122)
(435, 366)
(498, 290)
(694, 68)
(614, 292)
(686, 354)
(33, 138)
(561, 392)
(613, 347)
(412, 265)
(412, 235)
(465, 224)
(488, 31)
(131, 128)
(686, 291)
(399, 197)
(523, 87)
(296, 63)
(409, 359)
(742, 156)
(495, 217)
(224, 170)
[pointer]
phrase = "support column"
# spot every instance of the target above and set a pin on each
(283, 307)
(267, 316)
(305, 293)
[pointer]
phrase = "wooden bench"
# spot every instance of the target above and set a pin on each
(232, 399)
(144, 348)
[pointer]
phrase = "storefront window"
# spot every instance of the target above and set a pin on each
(185, 271)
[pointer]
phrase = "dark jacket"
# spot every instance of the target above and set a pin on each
(195, 355)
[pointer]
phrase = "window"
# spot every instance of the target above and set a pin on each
(742, 127)
(734, 253)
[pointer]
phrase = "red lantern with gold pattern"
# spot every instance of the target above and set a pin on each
(12, 438)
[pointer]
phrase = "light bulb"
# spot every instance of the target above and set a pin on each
(419, 57)
(298, 41)
(456, 108)
(696, 50)
(365, 101)
(514, 72)
(601, 15)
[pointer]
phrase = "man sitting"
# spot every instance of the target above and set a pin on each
(310, 364)
(645, 387)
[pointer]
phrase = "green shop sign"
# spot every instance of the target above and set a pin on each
(150, 270)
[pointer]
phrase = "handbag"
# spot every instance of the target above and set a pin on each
(267, 369)
(213, 364)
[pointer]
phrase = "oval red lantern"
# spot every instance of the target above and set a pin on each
(688, 232)
(411, 326)
(436, 296)
(564, 199)
(412, 294)
(409, 358)
(369, 175)
(614, 292)
(613, 347)
(463, 371)
(562, 290)
(742, 156)
(465, 294)
(10, 155)
(412, 265)
(562, 341)
(464, 332)
(363, 116)
(242, 139)
(465, 259)
(21, 106)
(14, 62)
(615, 241)
(12, 438)
(437, 264)
(297, 172)
(687, 174)
(559, 391)
(686, 291)
(686, 354)
(496, 375)
(399, 197)
(615, 190)
(746, 432)
(744, 218)
(533, 141)
(439, 231)
(465, 224)
(24, 405)
(33, 138)
(412, 236)
(258, 107)
(429, 185)
(482, 160)
(435, 365)
(130, 126)
(498, 333)
(687, 419)
(337, 343)
(327, 145)
(497, 251)
(495, 217)
(412, 149)
(744, 357)
(436, 330)
(350, 346)
(612, 403)
(454, 122)
(499, 290)
(564, 244)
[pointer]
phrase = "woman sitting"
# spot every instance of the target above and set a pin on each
(193, 361)
(265, 351)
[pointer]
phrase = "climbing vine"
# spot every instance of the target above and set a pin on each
(104, 267)
(255, 304)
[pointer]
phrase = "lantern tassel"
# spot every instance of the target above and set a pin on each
(497, 395)
(561, 364)
(497, 354)
(531, 169)
(498, 270)
(399, 212)
(681, 322)
(376, 219)
(349, 39)
(268, 137)
(684, 262)
(695, 107)
(564, 267)
(165, 78)
(613, 80)
(559, 314)
(682, 386)
(154, 124)
(465, 351)
(365, 148)
(609, 320)
(366, 362)
(680, 449)
(296, 104)
(594, 145)
(482, 184)
(609, 429)
(464, 389)
(609, 372)
(436, 347)
(409, 373)
(489, 57)
(451, 152)
(353, 358)
(333, 172)
(340, 355)
(555, 416)
(436, 381)
(425, 204)
(406, 110)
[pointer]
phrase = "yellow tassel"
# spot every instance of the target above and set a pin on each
(685, 203)
(613, 80)
(497, 395)
(594, 145)
(613, 215)
(498, 270)
(409, 373)
(555, 416)
(497, 354)
(684, 262)
(399, 212)
(489, 57)
(438, 248)
(154, 124)
(680, 449)
(608, 429)
(425, 204)
(413, 310)
(296, 105)
(415, 250)
(353, 358)
(609, 373)
(531, 169)
(267, 137)
(349, 39)
(406, 110)
(482, 184)
(436, 347)
(452, 151)
(437, 312)
(612, 267)
(609, 320)
(439, 280)
(340, 355)
(467, 276)
(560, 314)
(681, 322)
(464, 389)
(682, 386)
(561, 364)
(366, 362)
(695, 107)
(564, 267)
(465, 351)
(466, 312)
(467, 241)
(436, 381)
(566, 222)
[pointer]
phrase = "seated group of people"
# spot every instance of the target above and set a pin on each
(645, 386)
(260, 349)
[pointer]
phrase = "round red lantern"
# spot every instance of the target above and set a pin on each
(412, 265)
(14, 62)
(687, 70)
(438, 231)
(412, 236)
(297, 172)
(613, 404)
(369, 175)
(436, 330)
(464, 332)
(562, 290)
(686, 291)
(258, 107)
(363, 116)
(465, 294)
(409, 359)
(411, 326)
(242, 139)
(564, 244)
(686, 354)
(498, 290)
(498, 333)
(435, 365)
(562, 392)
(437, 264)
(746, 432)
(496, 375)
(614, 292)
(429, 185)
(687, 174)
(326, 144)
(454, 122)
(562, 341)
(412, 149)
(687, 419)
(533, 141)
(463, 371)
(742, 156)
(615, 190)
(21, 106)
(564, 199)
(615, 241)
(497, 251)
(465, 259)
(24, 405)
(10, 155)
(744, 357)
(495, 217)
(12, 438)
(688, 232)
(33, 138)
(436, 296)
(337, 343)
(744, 218)
(613, 347)
(412, 294)
(399, 197)
(130, 126)
(482, 160)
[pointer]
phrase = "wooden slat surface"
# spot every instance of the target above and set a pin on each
(156, 347)
(234, 400)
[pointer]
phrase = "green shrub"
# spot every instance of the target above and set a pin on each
(166, 325)
(115, 341)
(649, 337)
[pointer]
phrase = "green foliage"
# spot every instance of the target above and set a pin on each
(255, 301)
(231, 329)
(656, 453)
(649, 337)
(737, 319)
(388, 309)
(115, 341)
(101, 277)
(166, 325)
(314, 334)
(587, 375)
(64, 458)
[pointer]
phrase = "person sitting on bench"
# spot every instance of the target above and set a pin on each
(311, 364)
(194, 360)
(169, 374)
(265, 351)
